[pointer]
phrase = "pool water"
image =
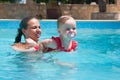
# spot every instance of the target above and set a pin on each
(97, 56)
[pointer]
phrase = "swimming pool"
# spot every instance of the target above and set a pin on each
(97, 56)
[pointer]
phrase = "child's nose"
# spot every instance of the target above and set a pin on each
(71, 30)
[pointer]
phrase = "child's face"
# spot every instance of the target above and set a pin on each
(68, 30)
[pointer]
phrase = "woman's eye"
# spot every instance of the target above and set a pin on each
(34, 27)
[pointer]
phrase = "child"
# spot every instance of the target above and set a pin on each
(67, 30)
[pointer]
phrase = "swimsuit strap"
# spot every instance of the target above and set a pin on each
(36, 48)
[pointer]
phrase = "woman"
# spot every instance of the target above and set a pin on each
(30, 29)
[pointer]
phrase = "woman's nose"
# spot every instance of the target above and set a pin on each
(38, 30)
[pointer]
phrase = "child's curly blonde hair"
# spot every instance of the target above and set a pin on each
(63, 19)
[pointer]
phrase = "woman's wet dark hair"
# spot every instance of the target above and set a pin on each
(23, 25)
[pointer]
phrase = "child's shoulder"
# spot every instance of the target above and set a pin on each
(74, 43)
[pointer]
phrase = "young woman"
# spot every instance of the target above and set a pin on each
(30, 29)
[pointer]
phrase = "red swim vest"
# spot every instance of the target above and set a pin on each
(60, 47)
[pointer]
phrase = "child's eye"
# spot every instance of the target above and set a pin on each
(68, 29)
(34, 27)
(39, 26)
(73, 28)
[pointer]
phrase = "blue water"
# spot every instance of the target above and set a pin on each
(97, 56)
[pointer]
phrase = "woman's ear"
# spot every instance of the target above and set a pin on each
(24, 31)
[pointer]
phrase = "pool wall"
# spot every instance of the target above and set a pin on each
(52, 10)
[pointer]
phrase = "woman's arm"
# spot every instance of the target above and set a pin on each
(22, 47)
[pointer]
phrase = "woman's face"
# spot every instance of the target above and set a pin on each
(33, 30)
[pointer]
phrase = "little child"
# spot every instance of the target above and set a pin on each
(67, 30)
